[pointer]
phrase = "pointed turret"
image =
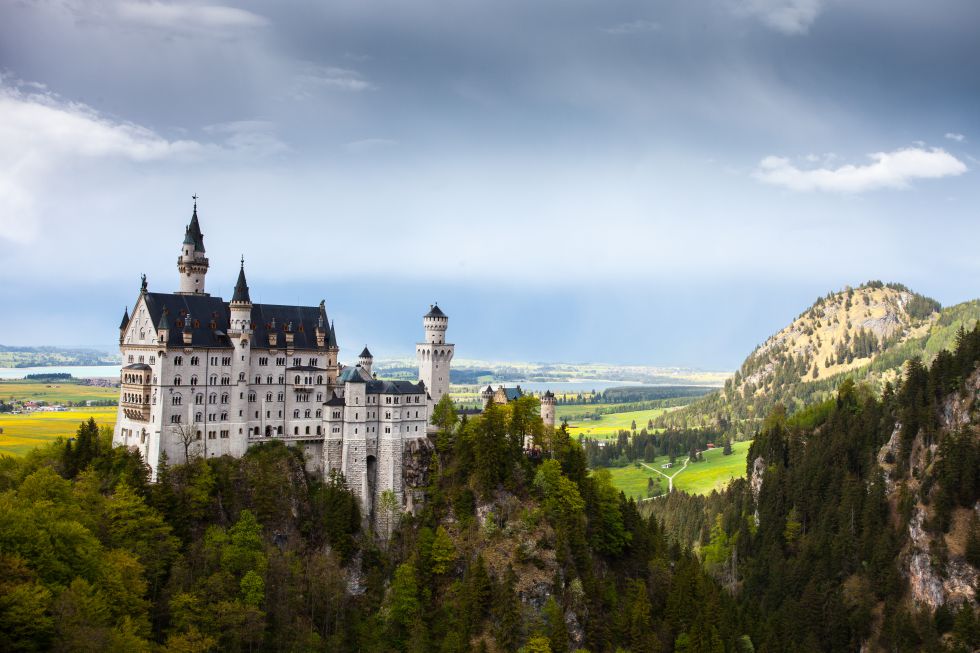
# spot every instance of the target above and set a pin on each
(241, 287)
(332, 338)
(192, 264)
(125, 319)
(366, 359)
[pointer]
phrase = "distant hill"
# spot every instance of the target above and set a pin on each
(44, 356)
(865, 333)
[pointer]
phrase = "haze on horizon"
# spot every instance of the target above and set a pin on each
(631, 182)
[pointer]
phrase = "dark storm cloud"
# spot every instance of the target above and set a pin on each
(578, 141)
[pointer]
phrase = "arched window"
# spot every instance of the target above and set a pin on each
(296, 380)
(268, 379)
(319, 413)
(178, 360)
(307, 430)
(278, 430)
(194, 380)
(199, 398)
(296, 414)
(175, 400)
(224, 398)
(214, 379)
(241, 376)
(307, 413)
(212, 398)
(295, 430)
(195, 360)
(318, 431)
(176, 380)
(198, 417)
(251, 397)
(319, 380)
(268, 396)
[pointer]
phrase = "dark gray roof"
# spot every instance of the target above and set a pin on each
(332, 337)
(164, 323)
(352, 374)
(193, 234)
(305, 368)
(513, 393)
(366, 353)
(210, 317)
(489, 389)
(125, 319)
(395, 388)
(241, 287)
(334, 400)
(435, 311)
(549, 395)
(138, 366)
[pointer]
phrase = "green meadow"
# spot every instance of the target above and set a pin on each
(54, 393)
(23, 432)
(713, 473)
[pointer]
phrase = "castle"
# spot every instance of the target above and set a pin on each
(202, 377)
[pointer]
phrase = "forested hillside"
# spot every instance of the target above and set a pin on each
(858, 525)
(865, 334)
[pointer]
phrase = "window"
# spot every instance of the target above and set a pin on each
(296, 414)
(241, 376)
(258, 380)
(214, 379)
(210, 435)
(268, 396)
(214, 360)
(224, 398)
(226, 380)
(178, 360)
(198, 417)
(296, 380)
(319, 431)
(319, 379)
(264, 360)
(176, 380)
(199, 399)
(194, 380)
(130, 359)
(281, 361)
(224, 417)
(224, 433)
(212, 398)
(195, 360)
(307, 430)
(306, 413)
(175, 419)
(153, 360)
(319, 413)
(297, 362)
(226, 360)
(268, 379)
(282, 378)
(251, 397)
(295, 430)
(197, 436)
(175, 400)
(319, 397)
(280, 397)
(314, 362)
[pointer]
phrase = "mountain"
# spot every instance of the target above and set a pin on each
(865, 333)
(857, 528)
(46, 356)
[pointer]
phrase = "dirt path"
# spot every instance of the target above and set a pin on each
(670, 479)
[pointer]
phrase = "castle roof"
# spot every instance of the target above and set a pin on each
(332, 336)
(366, 353)
(193, 235)
(549, 395)
(353, 374)
(125, 319)
(164, 323)
(211, 317)
(513, 393)
(241, 287)
(435, 311)
(335, 399)
(377, 387)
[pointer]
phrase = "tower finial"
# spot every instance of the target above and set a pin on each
(143, 283)
(243, 261)
(194, 197)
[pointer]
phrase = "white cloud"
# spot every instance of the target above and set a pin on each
(368, 145)
(313, 78)
(188, 17)
(39, 133)
(887, 170)
(786, 16)
(253, 138)
(953, 136)
(633, 27)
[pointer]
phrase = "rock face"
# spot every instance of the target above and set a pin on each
(416, 465)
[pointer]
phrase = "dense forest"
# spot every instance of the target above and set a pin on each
(515, 550)
(858, 522)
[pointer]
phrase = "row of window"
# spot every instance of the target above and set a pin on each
(141, 359)
(281, 361)
(196, 360)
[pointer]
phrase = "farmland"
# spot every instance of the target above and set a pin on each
(54, 393)
(697, 478)
(23, 432)
(609, 425)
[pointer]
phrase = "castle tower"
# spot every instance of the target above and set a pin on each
(548, 409)
(366, 360)
(487, 395)
(192, 264)
(241, 304)
(435, 354)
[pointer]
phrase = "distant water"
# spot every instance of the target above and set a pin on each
(582, 385)
(77, 371)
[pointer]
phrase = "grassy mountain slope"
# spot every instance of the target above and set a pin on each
(865, 333)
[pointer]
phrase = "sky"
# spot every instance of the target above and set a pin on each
(661, 183)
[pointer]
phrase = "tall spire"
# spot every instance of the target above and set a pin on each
(193, 234)
(125, 319)
(241, 288)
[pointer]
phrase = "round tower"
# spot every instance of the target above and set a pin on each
(192, 264)
(548, 409)
(241, 304)
(435, 355)
(366, 360)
